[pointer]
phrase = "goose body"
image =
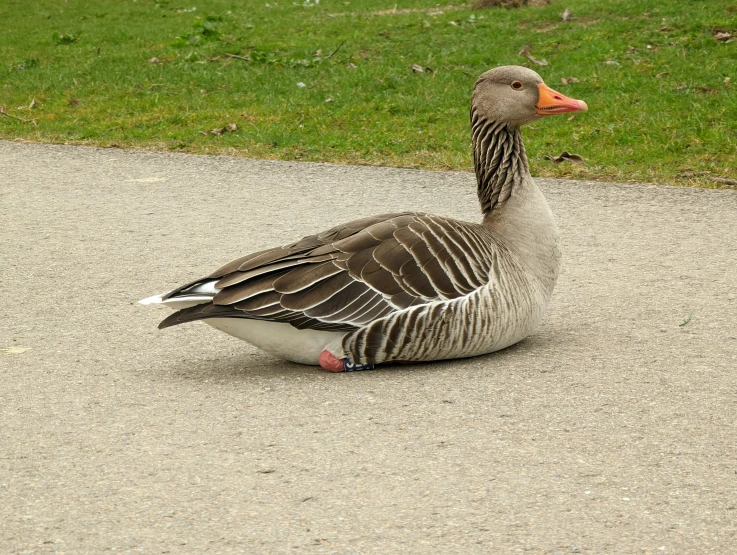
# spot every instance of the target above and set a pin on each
(406, 286)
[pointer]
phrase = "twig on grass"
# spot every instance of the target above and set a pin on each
(723, 180)
(4, 112)
(237, 57)
(526, 53)
(714, 178)
(334, 51)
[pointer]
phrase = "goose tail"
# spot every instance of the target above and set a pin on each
(199, 292)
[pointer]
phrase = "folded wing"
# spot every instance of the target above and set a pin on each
(349, 276)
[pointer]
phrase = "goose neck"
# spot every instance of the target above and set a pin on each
(499, 159)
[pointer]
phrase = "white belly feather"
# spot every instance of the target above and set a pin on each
(281, 340)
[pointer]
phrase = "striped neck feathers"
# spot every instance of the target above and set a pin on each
(499, 158)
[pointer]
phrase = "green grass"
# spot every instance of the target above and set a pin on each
(660, 109)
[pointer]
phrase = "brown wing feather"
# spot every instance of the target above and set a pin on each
(260, 301)
(341, 300)
(317, 293)
(246, 289)
(238, 276)
(348, 312)
(392, 255)
(379, 278)
(350, 275)
(304, 277)
(358, 261)
(358, 242)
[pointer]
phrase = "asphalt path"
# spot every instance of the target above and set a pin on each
(611, 430)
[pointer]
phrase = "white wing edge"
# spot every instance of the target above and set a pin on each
(156, 299)
(200, 294)
(177, 303)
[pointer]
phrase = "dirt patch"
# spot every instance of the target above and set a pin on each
(442, 9)
(403, 11)
(509, 3)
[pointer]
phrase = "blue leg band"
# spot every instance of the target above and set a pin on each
(350, 367)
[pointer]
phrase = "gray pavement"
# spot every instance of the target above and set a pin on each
(611, 430)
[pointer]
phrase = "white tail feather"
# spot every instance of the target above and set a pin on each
(177, 303)
(156, 299)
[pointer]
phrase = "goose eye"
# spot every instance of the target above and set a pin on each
(517, 85)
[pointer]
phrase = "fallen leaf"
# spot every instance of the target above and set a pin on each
(726, 81)
(662, 74)
(611, 63)
(651, 47)
(301, 85)
(526, 53)
(318, 53)
(32, 105)
(154, 60)
(229, 128)
(453, 23)
(417, 68)
(665, 29)
(15, 350)
(329, 99)
(721, 34)
(74, 102)
(351, 65)
(630, 49)
(567, 157)
(681, 86)
(566, 15)
(569, 80)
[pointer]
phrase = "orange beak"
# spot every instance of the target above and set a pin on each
(552, 102)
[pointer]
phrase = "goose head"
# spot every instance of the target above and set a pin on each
(516, 95)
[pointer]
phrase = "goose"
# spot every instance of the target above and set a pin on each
(406, 287)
